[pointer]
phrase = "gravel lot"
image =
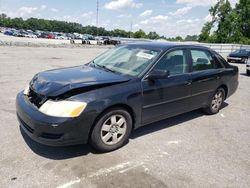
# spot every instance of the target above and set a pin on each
(190, 150)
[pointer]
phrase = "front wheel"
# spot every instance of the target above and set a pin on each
(215, 103)
(248, 72)
(112, 130)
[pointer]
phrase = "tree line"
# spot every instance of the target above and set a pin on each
(228, 25)
(70, 27)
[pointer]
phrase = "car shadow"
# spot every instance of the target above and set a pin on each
(66, 152)
(169, 122)
(56, 153)
(244, 74)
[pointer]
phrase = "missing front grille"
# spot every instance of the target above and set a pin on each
(36, 99)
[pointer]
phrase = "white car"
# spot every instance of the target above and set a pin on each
(61, 36)
(248, 66)
(30, 35)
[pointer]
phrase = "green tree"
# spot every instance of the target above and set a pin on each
(191, 38)
(3, 16)
(205, 32)
(140, 34)
(229, 25)
(224, 21)
(178, 38)
(153, 35)
(243, 12)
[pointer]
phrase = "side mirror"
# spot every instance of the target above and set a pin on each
(157, 74)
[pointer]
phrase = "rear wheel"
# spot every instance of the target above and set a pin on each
(248, 72)
(216, 102)
(112, 130)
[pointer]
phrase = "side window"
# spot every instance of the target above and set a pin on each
(221, 63)
(202, 60)
(174, 62)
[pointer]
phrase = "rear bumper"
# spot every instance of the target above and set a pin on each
(236, 59)
(53, 131)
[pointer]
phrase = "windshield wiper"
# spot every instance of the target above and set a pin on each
(103, 67)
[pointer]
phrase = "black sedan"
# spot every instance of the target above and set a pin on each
(239, 56)
(121, 90)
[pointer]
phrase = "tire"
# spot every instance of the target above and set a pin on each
(248, 72)
(112, 130)
(215, 102)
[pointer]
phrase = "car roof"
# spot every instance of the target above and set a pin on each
(163, 45)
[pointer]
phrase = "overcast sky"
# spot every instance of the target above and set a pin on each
(167, 17)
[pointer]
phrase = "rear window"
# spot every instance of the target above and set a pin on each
(221, 60)
(202, 60)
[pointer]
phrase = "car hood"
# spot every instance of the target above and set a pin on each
(56, 82)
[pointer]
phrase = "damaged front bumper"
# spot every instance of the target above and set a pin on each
(53, 131)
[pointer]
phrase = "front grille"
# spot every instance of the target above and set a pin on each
(36, 99)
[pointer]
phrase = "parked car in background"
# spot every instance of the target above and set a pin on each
(121, 90)
(248, 66)
(43, 35)
(2, 29)
(69, 36)
(110, 41)
(51, 36)
(77, 36)
(99, 40)
(90, 39)
(9, 33)
(83, 39)
(239, 56)
(61, 36)
(115, 41)
(31, 34)
(106, 40)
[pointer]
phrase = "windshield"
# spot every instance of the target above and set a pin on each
(126, 60)
(242, 51)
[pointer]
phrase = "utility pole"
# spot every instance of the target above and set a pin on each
(97, 12)
(131, 28)
(97, 16)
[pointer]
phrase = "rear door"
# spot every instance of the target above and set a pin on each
(205, 76)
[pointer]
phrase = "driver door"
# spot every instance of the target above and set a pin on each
(169, 96)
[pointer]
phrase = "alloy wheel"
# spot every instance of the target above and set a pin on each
(113, 129)
(217, 101)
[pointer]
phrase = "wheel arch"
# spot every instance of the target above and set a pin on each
(224, 86)
(121, 106)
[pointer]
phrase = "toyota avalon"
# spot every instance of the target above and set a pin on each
(125, 88)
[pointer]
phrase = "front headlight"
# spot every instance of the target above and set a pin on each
(63, 108)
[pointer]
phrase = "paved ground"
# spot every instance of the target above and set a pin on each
(190, 150)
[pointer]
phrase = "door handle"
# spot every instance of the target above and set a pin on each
(188, 83)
